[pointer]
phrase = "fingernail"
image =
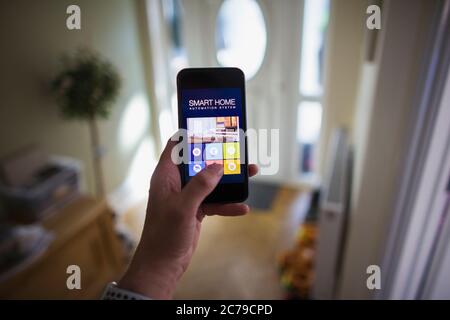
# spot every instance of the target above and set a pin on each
(216, 169)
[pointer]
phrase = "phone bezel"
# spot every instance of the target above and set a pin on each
(205, 78)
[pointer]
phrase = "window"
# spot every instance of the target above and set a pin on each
(309, 121)
(173, 15)
(313, 43)
(311, 81)
(176, 59)
(241, 36)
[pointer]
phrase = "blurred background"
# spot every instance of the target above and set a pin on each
(364, 153)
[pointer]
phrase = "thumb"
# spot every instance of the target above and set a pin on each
(201, 185)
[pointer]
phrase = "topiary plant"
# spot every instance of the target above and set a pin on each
(85, 89)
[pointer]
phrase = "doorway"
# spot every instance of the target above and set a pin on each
(279, 46)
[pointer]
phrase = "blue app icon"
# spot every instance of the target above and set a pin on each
(196, 167)
(213, 151)
(196, 152)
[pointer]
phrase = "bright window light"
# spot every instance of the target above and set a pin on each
(166, 126)
(241, 36)
(313, 43)
(134, 122)
(309, 122)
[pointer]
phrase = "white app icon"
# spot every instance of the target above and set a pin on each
(196, 152)
(231, 166)
(213, 151)
(197, 168)
(231, 150)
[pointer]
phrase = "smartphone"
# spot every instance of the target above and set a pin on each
(211, 110)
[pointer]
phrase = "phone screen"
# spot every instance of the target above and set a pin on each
(213, 115)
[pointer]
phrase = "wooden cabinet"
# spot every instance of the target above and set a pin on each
(84, 236)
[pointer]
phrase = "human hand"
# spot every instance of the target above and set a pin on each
(172, 226)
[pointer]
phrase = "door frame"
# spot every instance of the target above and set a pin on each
(412, 234)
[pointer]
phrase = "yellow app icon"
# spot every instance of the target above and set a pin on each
(231, 167)
(231, 150)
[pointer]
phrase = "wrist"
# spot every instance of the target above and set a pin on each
(153, 280)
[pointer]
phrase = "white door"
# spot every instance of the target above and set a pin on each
(264, 39)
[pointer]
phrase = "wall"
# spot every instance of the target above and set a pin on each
(342, 68)
(33, 36)
(380, 149)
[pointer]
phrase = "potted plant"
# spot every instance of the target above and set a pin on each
(85, 89)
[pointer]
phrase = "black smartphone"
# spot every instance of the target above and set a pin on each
(211, 110)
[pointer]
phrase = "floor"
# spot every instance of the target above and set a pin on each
(237, 257)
